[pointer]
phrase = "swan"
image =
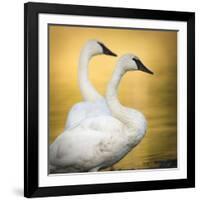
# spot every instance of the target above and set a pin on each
(99, 142)
(94, 104)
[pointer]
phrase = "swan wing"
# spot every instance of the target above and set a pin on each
(88, 146)
(83, 110)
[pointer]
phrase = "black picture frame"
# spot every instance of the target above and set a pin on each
(31, 12)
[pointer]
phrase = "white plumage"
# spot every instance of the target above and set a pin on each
(83, 110)
(93, 104)
(100, 141)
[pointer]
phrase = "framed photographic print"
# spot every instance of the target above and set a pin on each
(109, 99)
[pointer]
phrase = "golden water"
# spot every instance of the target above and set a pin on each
(154, 95)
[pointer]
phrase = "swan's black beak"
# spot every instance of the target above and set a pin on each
(142, 67)
(145, 69)
(106, 51)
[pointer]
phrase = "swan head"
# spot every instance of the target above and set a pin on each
(94, 47)
(130, 62)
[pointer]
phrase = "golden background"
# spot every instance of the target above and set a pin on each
(154, 95)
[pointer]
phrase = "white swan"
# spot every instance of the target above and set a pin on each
(94, 104)
(101, 141)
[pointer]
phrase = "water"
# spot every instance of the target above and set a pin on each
(158, 149)
(154, 95)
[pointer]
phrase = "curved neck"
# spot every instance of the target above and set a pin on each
(119, 111)
(88, 92)
(111, 94)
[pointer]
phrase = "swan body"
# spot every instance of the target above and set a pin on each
(93, 104)
(94, 144)
(101, 141)
(83, 110)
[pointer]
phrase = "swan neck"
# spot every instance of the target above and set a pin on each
(119, 111)
(111, 94)
(88, 92)
(133, 120)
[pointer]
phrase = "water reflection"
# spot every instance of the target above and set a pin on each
(154, 95)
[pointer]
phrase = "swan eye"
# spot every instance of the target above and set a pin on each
(141, 66)
(106, 51)
(138, 62)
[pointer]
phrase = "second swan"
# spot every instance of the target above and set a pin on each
(100, 142)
